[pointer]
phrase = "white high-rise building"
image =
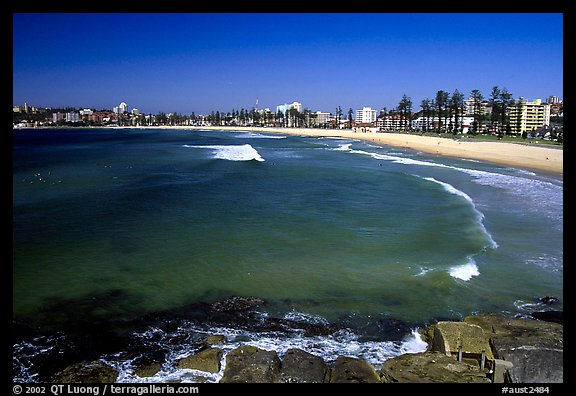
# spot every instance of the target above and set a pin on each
(283, 108)
(122, 108)
(366, 116)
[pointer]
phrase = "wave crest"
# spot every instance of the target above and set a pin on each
(466, 271)
(243, 152)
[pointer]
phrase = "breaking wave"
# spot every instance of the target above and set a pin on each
(466, 271)
(244, 152)
(479, 215)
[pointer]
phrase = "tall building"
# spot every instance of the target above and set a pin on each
(366, 116)
(283, 108)
(471, 103)
(527, 116)
(122, 108)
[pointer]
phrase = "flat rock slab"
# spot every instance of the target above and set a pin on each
(450, 336)
(431, 367)
(534, 347)
(249, 364)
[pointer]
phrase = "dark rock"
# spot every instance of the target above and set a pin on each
(86, 372)
(215, 339)
(353, 370)
(249, 364)
(237, 304)
(549, 300)
(148, 370)
(308, 329)
(431, 367)
(207, 360)
(549, 316)
(534, 347)
(303, 367)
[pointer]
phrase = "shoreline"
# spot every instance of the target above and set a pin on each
(516, 155)
(504, 153)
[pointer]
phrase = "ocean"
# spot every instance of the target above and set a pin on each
(123, 237)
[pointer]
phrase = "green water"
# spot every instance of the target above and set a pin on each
(329, 227)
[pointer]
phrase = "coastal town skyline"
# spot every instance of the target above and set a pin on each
(204, 62)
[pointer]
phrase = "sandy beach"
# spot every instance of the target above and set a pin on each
(525, 156)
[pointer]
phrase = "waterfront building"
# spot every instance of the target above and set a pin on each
(393, 122)
(58, 117)
(121, 108)
(284, 108)
(323, 118)
(72, 117)
(421, 124)
(525, 116)
(365, 116)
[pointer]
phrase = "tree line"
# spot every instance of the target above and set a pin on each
(448, 110)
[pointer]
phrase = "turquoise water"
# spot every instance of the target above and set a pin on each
(321, 226)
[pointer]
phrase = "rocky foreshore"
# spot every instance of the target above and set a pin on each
(482, 348)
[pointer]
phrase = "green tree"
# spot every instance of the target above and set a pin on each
(280, 117)
(338, 116)
(350, 117)
(495, 103)
(506, 101)
(457, 104)
(426, 105)
(441, 102)
(477, 112)
(405, 109)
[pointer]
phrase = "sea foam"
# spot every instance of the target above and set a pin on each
(343, 342)
(466, 271)
(244, 152)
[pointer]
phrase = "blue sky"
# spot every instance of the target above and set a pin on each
(202, 62)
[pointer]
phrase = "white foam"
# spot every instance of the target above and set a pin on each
(525, 186)
(244, 152)
(413, 343)
(341, 343)
(343, 147)
(466, 271)
(254, 135)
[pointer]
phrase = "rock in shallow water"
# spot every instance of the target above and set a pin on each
(237, 304)
(86, 372)
(249, 364)
(302, 367)
(207, 360)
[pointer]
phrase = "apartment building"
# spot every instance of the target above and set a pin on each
(365, 116)
(527, 116)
